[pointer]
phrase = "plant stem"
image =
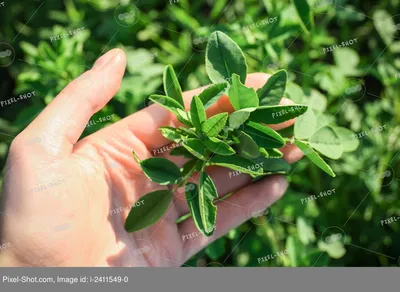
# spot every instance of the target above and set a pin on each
(136, 157)
(383, 162)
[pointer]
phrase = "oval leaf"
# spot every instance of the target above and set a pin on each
(277, 114)
(384, 25)
(327, 143)
(272, 165)
(212, 93)
(154, 206)
(183, 117)
(197, 112)
(167, 103)
(314, 157)
(264, 136)
(195, 147)
(305, 14)
(214, 125)
(247, 146)
(347, 138)
(272, 92)
(219, 147)
(161, 170)
(171, 85)
(188, 132)
(171, 134)
(193, 201)
(181, 151)
(224, 58)
(305, 125)
(208, 211)
(238, 118)
(241, 96)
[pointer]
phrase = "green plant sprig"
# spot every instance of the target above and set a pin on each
(239, 141)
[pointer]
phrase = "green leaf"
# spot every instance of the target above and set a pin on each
(316, 258)
(154, 206)
(171, 134)
(294, 251)
(247, 146)
(183, 117)
(264, 153)
(237, 118)
(305, 231)
(167, 103)
(214, 125)
(29, 49)
(347, 61)
(264, 136)
(277, 114)
(334, 249)
(181, 151)
(208, 211)
(305, 125)
(347, 138)
(219, 147)
(224, 58)
(197, 112)
(272, 165)
(240, 96)
(188, 132)
(188, 167)
(305, 14)
(324, 120)
(161, 170)
(274, 153)
(327, 143)
(272, 92)
(171, 85)
(200, 201)
(193, 201)
(314, 157)
(236, 162)
(216, 249)
(195, 147)
(384, 25)
(212, 93)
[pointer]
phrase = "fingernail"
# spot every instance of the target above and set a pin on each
(106, 58)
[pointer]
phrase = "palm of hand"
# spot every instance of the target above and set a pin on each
(79, 221)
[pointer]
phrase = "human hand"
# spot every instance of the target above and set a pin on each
(78, 218)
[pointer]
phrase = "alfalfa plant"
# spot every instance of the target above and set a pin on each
(238, 141)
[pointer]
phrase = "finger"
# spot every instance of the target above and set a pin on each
(145, 123)
(234, 211)
(291, 153)
(65, 118)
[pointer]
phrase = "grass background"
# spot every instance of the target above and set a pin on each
(294, 232)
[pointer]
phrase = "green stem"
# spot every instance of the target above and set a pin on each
(288, 139)
(276, 244)
(383, 162)
(136, 157)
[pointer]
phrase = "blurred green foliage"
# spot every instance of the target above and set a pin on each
(347, 45)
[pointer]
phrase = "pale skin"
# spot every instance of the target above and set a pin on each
(65, 200)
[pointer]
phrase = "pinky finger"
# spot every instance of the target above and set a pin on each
(244, 204)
